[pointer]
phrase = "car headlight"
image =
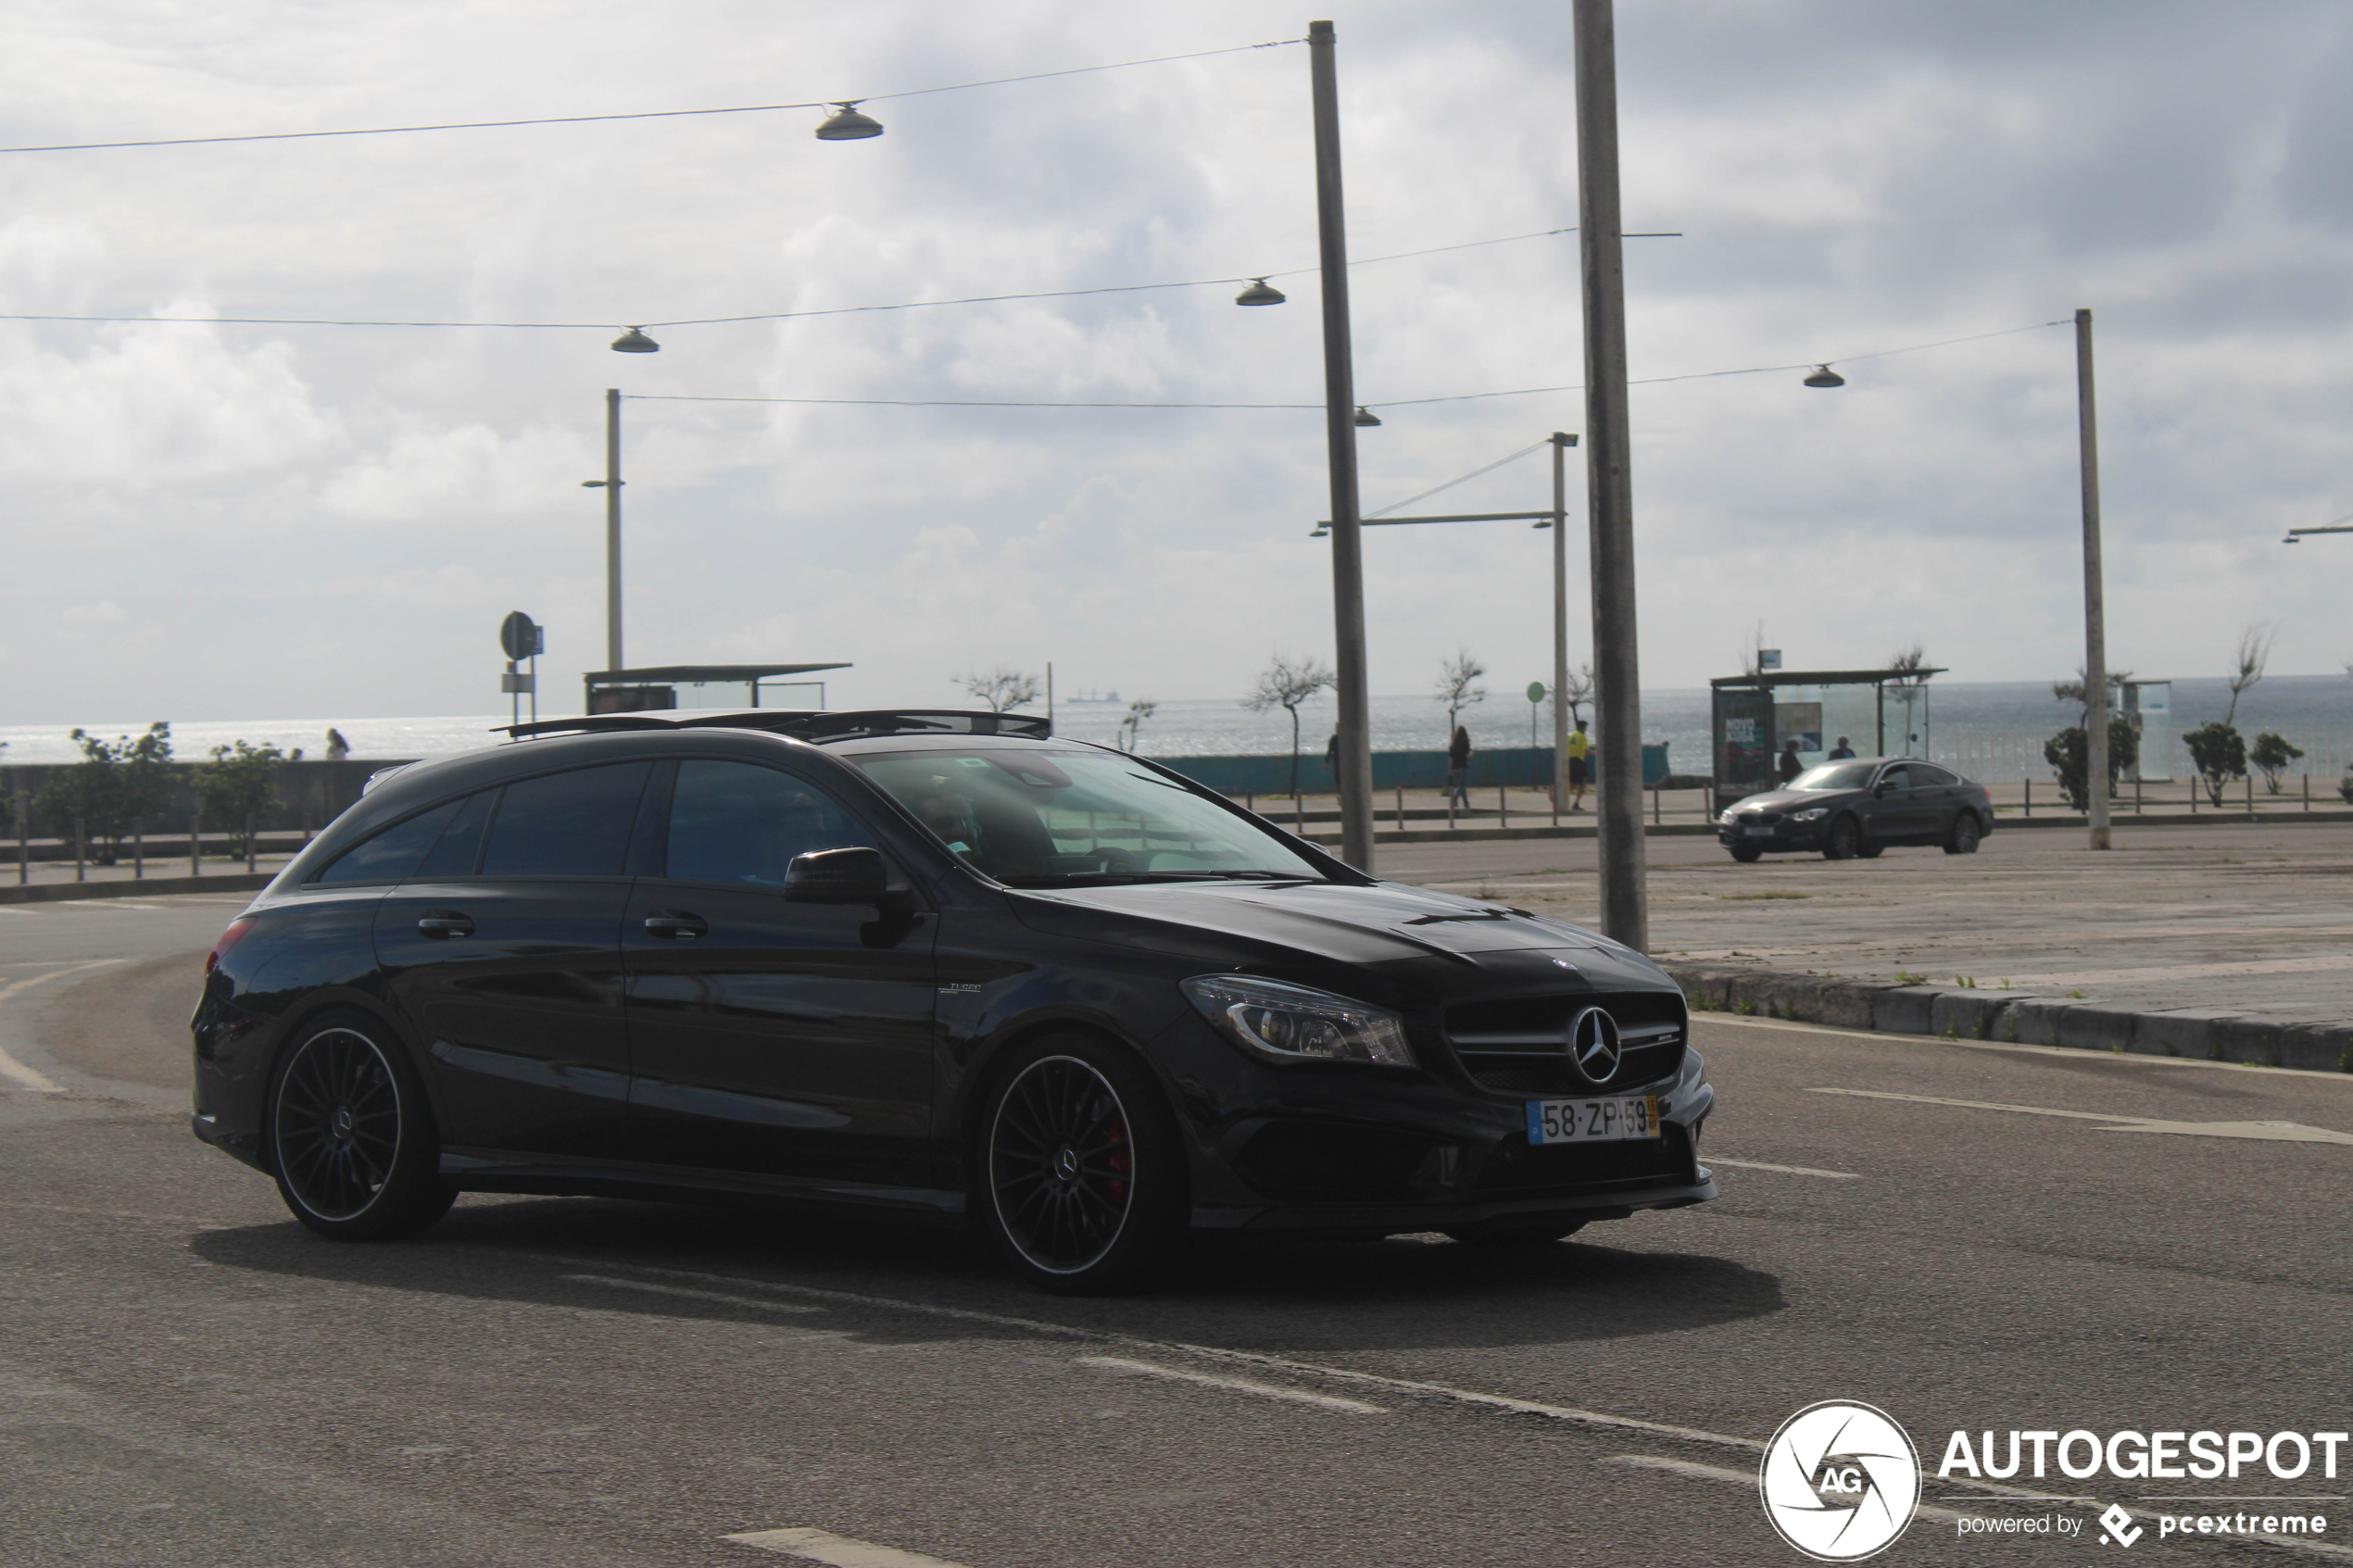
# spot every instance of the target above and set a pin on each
(1811, 814)
(1285, 1022)
(1726, 820)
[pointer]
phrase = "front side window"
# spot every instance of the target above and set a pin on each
(1048, 819)
(566, 824)
(738, 823)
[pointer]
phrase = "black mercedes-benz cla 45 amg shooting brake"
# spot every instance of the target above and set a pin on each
(939, 963)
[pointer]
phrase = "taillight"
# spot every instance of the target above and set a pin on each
(229, 938)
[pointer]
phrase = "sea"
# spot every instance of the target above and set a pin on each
(1992, 730)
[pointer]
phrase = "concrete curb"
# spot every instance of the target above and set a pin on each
(125, 887)
(2204, 1033)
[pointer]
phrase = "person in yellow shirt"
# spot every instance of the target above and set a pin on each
(1579, 751)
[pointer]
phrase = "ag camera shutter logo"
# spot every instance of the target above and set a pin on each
(1840, 1481)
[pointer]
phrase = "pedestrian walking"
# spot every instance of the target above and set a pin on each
(1842, 752)
(1787, 764)
(1331, 762)
(1580, 753)
(1458, 752)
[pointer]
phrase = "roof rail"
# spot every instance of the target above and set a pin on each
(804, 726)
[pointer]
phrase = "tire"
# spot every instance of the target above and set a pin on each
(1747, 853)
(1870, 851)
(351, 1133)
(1080, 1168)
(1966, 835)
(1526, 1235)
(1845, 841)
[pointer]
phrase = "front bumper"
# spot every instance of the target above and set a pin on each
(1783, 836)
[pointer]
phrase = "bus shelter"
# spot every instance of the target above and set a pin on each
(660, 687)
(1881, 712)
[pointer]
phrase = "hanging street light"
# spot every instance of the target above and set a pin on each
(1365, 418)
(635, 341)
(848, 125)
(1259, 292)
(1825, 376)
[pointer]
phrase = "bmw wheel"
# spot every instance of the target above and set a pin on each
(1746, 854)
(1082, 1174)
(1845, 840)
(351, 1137)
(1965, 835)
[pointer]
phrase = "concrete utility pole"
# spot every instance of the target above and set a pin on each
(612, 528)
(1618, 703)
(1561, 443)
(1355, 772)
(2095, 607)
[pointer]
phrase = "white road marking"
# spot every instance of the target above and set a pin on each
(2269, 1131)
(619, 1284)
(2073, 1053)
(2000, 1494)
(1209, 1352)
(26, 1078)
(837, 1552)
(1236, 1384)
(1784, 1170)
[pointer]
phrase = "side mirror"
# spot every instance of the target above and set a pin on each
(838, 876)
(1885, 788)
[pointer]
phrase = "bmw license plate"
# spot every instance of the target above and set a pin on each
(1757, 830)
(1593, 1120)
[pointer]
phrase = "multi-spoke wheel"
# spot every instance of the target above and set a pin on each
(1965, 835)
(1083, 1176)
(351, 1136)
(1845, 841)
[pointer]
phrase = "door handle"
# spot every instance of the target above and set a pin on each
(444, 923)
(677, 925)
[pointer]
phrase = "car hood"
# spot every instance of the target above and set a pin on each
(1792, 800)
(1350, 924)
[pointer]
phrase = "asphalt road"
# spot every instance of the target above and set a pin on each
(186, 1376)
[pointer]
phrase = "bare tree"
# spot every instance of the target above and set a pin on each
(2074, 691)
(1136, 713)
(1751, 650)
(1458, 686)
(1003, 688)
(1287, 683)
(1577, 693)
(1908, 662)
(2254, 652)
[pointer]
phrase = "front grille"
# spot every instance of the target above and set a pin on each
(1517, 1045)
(1518, 1167)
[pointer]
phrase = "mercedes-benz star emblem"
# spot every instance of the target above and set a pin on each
(1592, 1044)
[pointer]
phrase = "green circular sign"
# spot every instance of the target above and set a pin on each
(1536, 691)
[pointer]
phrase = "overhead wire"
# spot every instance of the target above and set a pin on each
(645, 114)
(774, 315)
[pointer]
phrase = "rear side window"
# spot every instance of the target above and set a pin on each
(461, 841)
(734, 821)
(1924, 773)
(566, 824)
(393, 854)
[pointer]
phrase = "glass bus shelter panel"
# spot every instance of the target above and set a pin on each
(1797, 716)
(1905, 711)
(1743, 738)
(2149, 706)
(1850, 712)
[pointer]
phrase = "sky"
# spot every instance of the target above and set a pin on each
(214, 522)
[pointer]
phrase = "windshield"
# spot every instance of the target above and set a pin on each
(1835, 775)
(1066, 818)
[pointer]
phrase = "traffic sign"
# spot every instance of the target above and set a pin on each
(519, 635)
(1536, 692)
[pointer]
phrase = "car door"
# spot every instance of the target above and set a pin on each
(1941, 796)
(503, 952)
(767, 1035)
(1884, 808)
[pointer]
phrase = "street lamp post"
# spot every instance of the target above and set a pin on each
(2095, 605)
(1355, 772)
(1617, 707)
(610, 486)
(1561, 441)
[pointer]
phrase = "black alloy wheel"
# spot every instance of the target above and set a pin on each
(351, 1137)
(1084, 1172)
(1965, 835)
(1845, 841)
(1747, 853)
